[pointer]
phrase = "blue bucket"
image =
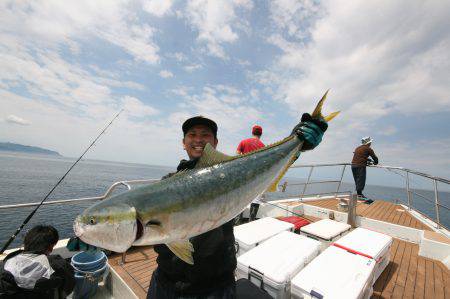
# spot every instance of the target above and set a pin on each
(89, 269)
(89, 261)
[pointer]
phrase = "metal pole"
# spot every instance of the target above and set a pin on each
(351, 215)
(436, 203)
(307, 182)
(340, 181)
(408, 193)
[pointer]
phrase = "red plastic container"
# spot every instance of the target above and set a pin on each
(298, 222)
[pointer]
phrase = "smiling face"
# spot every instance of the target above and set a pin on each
(195, 140)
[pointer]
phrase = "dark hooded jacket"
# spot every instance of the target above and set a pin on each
(59, 284)
(214, 259)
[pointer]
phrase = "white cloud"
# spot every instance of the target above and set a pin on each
(226, 105)
(158, 8)
(165, 74)
(17, 120)
(376, 64)
(44, 24)
(294, 17)
(216, 22)
(180, 56)
(135, 107)
(192, 67)
(244, 62)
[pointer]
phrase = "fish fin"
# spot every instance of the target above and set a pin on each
(331, 116)
(211, 157)
(183, 250)
(317, 113)
(274, 185)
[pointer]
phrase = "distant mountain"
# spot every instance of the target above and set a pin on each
(14, 147)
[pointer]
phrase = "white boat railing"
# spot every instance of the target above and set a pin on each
(110, 190)
(407, 172)
(406, 175)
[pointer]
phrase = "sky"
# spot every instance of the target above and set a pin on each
(67, 67)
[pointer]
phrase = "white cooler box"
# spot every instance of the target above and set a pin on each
(273, 264)
(253, 233)
(325, 231)
(369, 243)
(335, 273)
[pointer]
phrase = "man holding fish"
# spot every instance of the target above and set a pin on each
(188, 216)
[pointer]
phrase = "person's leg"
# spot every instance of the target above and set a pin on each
(363, 179)
(355, 177)
(157, 291)
(228, 292)
(254, 207)
(358, 173)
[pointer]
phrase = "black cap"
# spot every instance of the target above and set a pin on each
(199, 120)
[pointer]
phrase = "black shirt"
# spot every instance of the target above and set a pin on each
(214, 259)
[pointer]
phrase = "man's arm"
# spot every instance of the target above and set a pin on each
(239, 148)
(373, 156)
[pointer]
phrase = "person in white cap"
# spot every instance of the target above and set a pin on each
(360, 161)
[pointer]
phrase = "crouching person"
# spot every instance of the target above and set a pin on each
(33, 272)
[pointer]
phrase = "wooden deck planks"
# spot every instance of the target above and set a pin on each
(379, 210)
(395, 269)
(411, 276)
(429, 279)
(419, 290)
(446, 280)
(412, 270)
(438, 283)
(387, 273)
(137, 270)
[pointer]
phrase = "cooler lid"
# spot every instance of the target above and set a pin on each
(280, 257)
(335, 273)
(325, 229)
(260, 230)
(366, 241)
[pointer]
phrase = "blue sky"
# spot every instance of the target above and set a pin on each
(67, 67)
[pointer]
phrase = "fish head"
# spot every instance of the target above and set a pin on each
(113, 227)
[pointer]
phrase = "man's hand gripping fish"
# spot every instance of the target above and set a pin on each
(195, 201)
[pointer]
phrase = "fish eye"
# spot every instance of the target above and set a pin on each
(92, 220)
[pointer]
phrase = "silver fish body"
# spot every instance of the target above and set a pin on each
(185, 205)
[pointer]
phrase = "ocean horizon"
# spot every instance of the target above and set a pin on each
(28, 178)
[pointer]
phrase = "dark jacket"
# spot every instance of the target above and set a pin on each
(361, 156)
(214, 259)
(58, 285)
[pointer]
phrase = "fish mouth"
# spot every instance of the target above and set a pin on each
(77, 228)
(139, 230)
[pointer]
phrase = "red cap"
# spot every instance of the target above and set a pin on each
(257, 130)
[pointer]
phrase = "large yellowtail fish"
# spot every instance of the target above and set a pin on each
(190, 202)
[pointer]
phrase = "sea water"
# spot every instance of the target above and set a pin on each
(28, 178)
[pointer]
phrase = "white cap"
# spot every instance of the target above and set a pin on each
(366, 140)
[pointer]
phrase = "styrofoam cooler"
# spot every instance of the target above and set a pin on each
(251, 234)
(272, 264)
(369, 243)
(335, 273)
(325, 231)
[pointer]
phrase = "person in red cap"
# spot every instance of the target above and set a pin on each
(246, 146)
(251, 144)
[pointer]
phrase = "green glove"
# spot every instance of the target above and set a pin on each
(310, 131)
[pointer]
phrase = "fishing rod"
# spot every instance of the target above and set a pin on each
(13, 236)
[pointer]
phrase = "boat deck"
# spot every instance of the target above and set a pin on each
(378, 210)
(408, 275)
